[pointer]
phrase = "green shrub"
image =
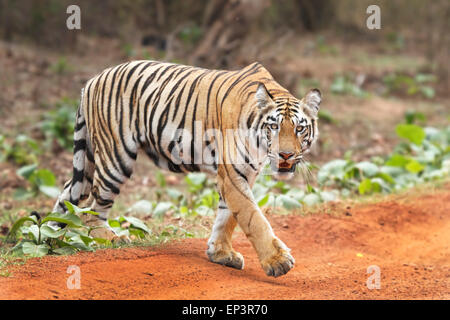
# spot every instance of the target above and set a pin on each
(23, 150)
(423, 156)
(39, 180)
(58, 124)
(420, 84)
(40, 238)
(346, 85)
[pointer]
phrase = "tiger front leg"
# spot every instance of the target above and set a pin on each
(273, 254)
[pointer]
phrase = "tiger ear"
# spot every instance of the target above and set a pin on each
(263, 96)
(312, 100)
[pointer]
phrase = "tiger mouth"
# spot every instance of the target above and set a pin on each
(286, 167)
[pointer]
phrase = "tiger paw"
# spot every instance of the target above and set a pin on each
(228, 258)
(279, 263)
(104, 233)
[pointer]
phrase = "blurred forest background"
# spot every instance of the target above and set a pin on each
(371, 80)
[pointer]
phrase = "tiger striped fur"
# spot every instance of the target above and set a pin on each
(144, 104)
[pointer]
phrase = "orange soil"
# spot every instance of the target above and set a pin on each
(407, 237)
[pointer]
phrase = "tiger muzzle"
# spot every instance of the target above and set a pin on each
(286, 162)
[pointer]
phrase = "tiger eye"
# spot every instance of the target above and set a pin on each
(300, 129)
(274, 126)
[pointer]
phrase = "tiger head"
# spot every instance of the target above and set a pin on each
(289, 128)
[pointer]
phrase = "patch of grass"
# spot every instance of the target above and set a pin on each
(8, 260)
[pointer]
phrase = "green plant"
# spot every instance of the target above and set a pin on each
(58, 124)
(423, 156)
(420, 84)
(268, 192)
(23, 150)
(135, 227)
(323, 47)
(346, 84)
(61, 66)
(191, 34)
(39, 237)
(306, 84)
(128, 50)
(395, 41)
(412, 116)
(39, 180)
(326, 116)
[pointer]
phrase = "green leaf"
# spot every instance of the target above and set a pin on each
(102, 241)
(22, 194)
(49, 232)
(295, 193)
(162, 208)
(414, 167)
(411, 132)
(379, 185)
(196, 180)
(174, 194)
(34, 250)
(77, 242)
(70, 219)
(76, 210)
(204, 211)
(136, 223)
(52, 192)
(334, 169)
(428, 92)
(32, 231)
(114, 223)
(86, 239)
(142, 207)
(328, 196)
(259, 191)
(65, 251)
(397, 160)
(43, 177)
(263, 200)
(423, 77)
(311, 199)
(184, 210)
(326, 116)
(369, 169)
(161, 179)
(19, 224)
(386, 177)
(365, 186)
(288, 202)
(411, 116)
(26, 171)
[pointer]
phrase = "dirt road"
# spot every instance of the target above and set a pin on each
(407, 237)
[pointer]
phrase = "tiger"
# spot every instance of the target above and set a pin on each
(141, 105)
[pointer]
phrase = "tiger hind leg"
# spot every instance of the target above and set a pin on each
(106, 184)
(220, 249)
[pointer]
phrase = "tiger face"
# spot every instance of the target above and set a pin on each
(289, 128)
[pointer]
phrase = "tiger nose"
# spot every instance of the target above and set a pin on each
(286, 155)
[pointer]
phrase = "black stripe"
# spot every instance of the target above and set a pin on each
(79, 145)
(107, 183)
